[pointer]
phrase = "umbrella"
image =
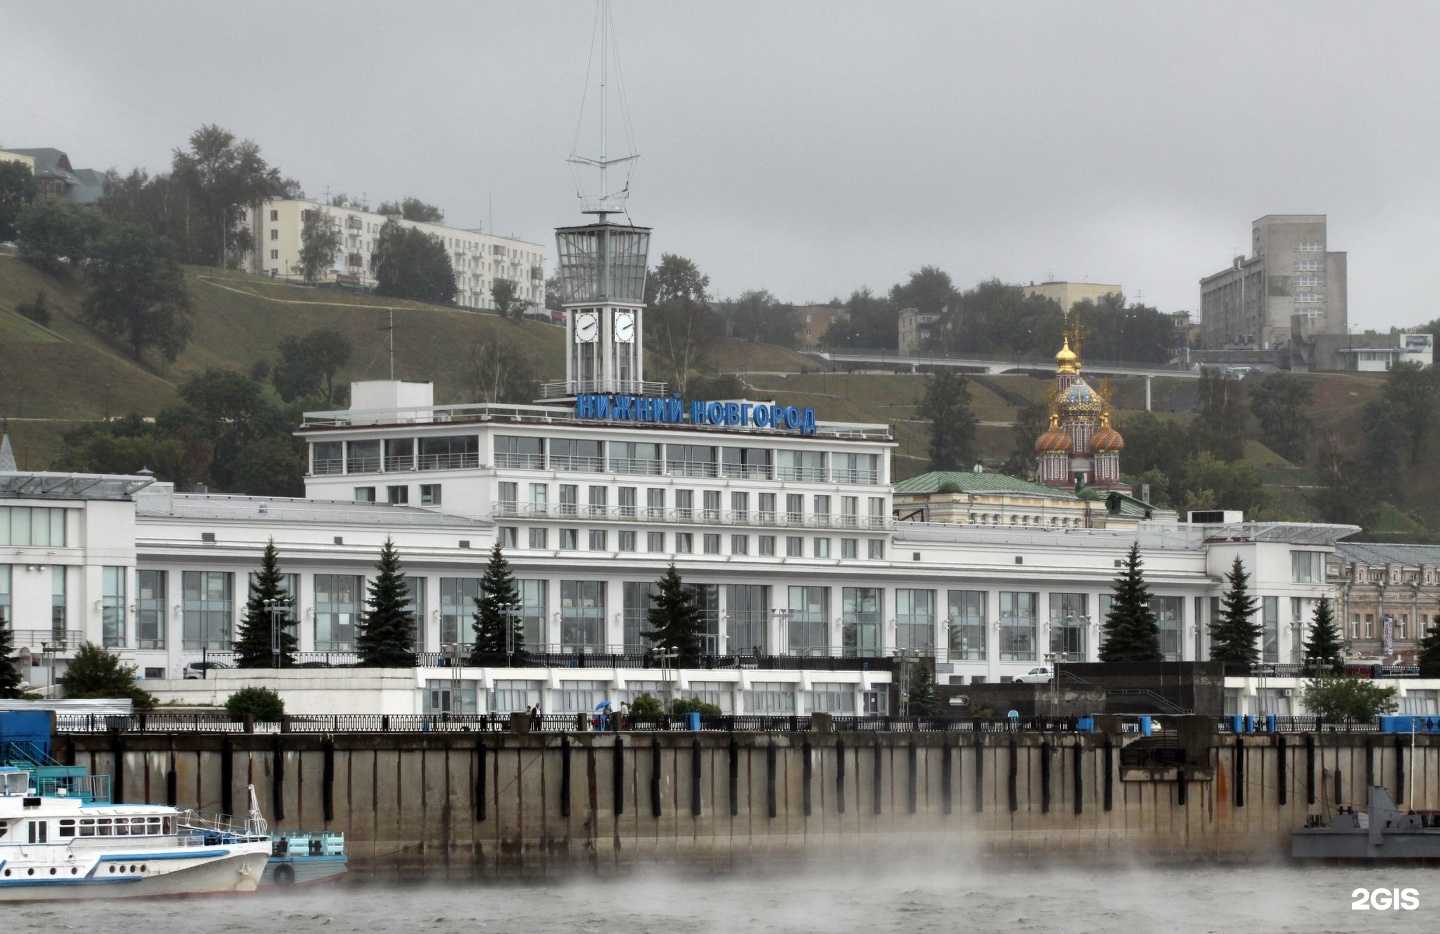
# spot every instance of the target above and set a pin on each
(602, 705)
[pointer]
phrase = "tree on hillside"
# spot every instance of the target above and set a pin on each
(230, 428)
(947, 408)
(676, 278)
(1030, 423)
(1280, 403)
(1220, 424)
(497, 610)
(1234, 632)
(758, 316)
(308, 364)
(121, 446)
(928, 290)
(870, 321)
(501, 371)
(1404, 410)
(994, 317)
(412, 209)
(319, 242)
(1324, 642)
(1156, 444)
(17, 189)
(385, 637)
(680, 331)
(1346, 491)
(1210, 483)
(10, 677)
(257, 640)
(505, 296)
(408, 263)
(94, 672)
(1131, 631)
(219, 174)
(137, 292)
(676, 621)
(53, 231)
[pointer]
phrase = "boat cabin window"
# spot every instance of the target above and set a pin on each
(16, 783)
(4, 828)
(67, 827)
(125, 826)
(39, 831)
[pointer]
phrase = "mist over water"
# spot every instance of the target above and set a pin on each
(884, 897)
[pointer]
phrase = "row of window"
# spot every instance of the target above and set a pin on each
(523, 452)
(514, 695)
(687, 543)
(712, 505)
(399, 495)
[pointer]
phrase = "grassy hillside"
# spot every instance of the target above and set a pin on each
(58, 376)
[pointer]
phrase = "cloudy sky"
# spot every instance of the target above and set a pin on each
(809, 147)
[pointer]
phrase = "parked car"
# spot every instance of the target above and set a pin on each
(1042, 675)
(198, 670)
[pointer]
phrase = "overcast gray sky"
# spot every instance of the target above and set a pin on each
(808, 148)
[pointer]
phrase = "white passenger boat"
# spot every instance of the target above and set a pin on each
(62, 838)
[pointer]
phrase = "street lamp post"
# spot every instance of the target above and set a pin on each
(509, 609)
(277, 609)
(666, 656)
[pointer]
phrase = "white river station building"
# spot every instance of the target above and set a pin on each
(800, 546)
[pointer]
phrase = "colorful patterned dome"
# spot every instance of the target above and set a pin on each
(1106, 439)
(1079, 399)
(1053, 441)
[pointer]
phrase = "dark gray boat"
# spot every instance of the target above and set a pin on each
(1381, 832)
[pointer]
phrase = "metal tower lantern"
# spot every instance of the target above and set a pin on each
(602, 289)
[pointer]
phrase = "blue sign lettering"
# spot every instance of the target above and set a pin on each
(672, 411)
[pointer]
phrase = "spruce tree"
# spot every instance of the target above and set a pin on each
(387, 627)
(498, 606)
(1430, 651)
(1234, 633)
(254, 647)
(10, 677)
(676, 622)
(1132, 633)
(1324, 642)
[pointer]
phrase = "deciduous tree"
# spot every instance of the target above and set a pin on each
(386, 634)
(94, 672)
(1430, 651)
(1220, 424)
(1132, 633)
(1234, 632)
(54, 231)
(947, 408)
(409, 263)
(505, 296)
(501, 372)
(676, 277)
(412, 209)
(219, 175)
(17, 189)
(1335, 698)
(319, 241)
(308, 364)
(258, 631)
(137, 292)
(1281, 403)
(676, 622)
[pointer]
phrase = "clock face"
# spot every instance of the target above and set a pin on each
(625, 327)
(587, 327)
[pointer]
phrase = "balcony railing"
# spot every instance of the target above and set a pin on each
(449, 461)
(66, 639)
(508, 509)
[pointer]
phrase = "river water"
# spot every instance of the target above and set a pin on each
(880, 898)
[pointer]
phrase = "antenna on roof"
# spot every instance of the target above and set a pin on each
(604, 201)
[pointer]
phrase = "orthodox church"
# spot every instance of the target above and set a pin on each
(1080, 448)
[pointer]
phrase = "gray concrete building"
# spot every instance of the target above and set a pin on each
(1290, 272)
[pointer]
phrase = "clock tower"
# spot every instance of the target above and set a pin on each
(603, 264)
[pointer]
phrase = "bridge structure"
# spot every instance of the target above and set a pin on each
(992, 364)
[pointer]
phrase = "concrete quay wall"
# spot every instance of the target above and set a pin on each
(465, 805)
